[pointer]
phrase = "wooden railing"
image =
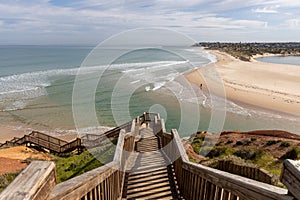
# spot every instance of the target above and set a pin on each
(93, 140)
(290, 177)
(251, 172)
(48, 138)
(200, 182)
(45, 141)
(105, 182)
(60, 146)
(33, 183)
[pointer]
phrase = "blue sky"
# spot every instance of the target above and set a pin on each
(91, 21)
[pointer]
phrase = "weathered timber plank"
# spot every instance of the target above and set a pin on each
(240, 186)
(290, 177)
(178, 143)
(119, 148)
(35, 182)
(77, 187)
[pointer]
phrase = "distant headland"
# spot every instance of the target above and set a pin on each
(245, 51)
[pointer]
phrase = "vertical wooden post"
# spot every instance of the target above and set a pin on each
(290, 177)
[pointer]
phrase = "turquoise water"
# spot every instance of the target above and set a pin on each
(291, 60)
(37, 84)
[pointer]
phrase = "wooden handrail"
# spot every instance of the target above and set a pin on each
(196, 181)
(105, 182)
(290, 177)
(61, 146)
(87, 184)
(33, 183)
(49, 137)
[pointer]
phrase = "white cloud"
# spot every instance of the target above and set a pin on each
(94, 18)
(269, 9)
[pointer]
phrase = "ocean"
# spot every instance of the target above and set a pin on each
(290, 60)
(37, 91)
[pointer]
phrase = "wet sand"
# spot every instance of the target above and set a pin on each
(269, 86)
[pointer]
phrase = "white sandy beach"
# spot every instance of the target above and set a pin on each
(8, 133)
(270, 86)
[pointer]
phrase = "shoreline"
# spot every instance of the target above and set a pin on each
(8, 133)
(237, 89)
(254, 57)
(269, 86)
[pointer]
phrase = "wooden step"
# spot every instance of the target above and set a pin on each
(148, 175)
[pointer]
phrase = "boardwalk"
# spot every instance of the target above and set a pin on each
(148, 175)
(41, 140)
(57, 145)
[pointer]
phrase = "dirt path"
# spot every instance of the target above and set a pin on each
(11, 165)
(11, 159)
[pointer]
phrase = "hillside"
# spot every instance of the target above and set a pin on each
(263, 149)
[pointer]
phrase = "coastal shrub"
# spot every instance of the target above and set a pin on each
(237, 160)
(197, 140)
(220, 143)
(206, 149)
(74, 165)
(244, 142)
(214, 164)
(247, 142)
(248, 154)
(196, 144)
(6, 179)
(196, 148)
(229, 142)
(285, 144)
(292, 154)
(201, 137)
(253, 139)
(218, 151)
(272, 142)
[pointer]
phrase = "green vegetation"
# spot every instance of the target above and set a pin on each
(233, 158)
(244, 51)
(220, 152)
(73, 165)
(229, 142)
(292, 154)
(70, 165)
(285, 144)
(6, 179)
(244, 142)
(196, 144)
(207, 147)
(249, 154)
(271, 142)
(248, 151)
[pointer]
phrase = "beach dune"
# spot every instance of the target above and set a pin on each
(269, 86)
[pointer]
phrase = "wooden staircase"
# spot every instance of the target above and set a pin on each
(148, 174)
(57, 145)
(45, 141)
